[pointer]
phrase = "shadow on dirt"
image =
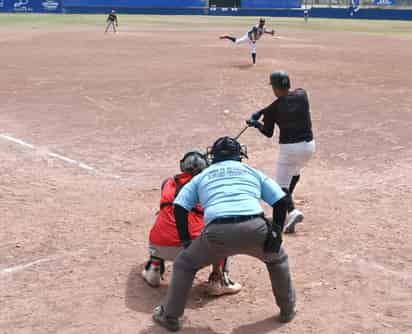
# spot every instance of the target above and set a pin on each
(155, 329)
(142, 298)
(262, 326)
(243, 66)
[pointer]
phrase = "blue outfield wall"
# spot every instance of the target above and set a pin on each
(332, 13)
(28, 6)
(197, 7)
(137, 3)
(366, 14)
(264, 4)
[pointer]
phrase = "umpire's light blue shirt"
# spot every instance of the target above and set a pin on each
(229, 188)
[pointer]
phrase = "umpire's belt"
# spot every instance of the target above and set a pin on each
(235, 219)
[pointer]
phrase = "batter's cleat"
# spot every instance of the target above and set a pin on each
(171, 323)
(151, 274)
(285, 317)
(294, 217)
(220, 287)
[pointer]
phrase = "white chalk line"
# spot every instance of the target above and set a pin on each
(20, 267)
(96, 103)
(23, 266)
(17, 141)
(79, 164)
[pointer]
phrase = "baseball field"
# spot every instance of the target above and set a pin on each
(91, 123)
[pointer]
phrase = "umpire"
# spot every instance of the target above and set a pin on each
(229, 191)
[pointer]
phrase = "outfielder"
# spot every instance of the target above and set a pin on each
(229, 191)
(290, 112)
(112, 21)
(166, 236)
(251, 37)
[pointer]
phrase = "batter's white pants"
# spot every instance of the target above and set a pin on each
(292, 158)
(245, 39)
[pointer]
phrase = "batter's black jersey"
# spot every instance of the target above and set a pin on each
(292, 116)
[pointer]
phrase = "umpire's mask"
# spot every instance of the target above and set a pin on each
(226, 148)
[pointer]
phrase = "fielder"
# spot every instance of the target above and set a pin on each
(167, 236)
(251, 37)
(306, 15)
(112, 21)
(229, 191)
(290, 112)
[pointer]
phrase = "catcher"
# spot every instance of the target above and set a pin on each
(251, 37)
(230, 192)
(112, 21)
(167, 237)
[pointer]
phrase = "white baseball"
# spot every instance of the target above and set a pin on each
(226, 111)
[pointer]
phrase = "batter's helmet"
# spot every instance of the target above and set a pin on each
(280, 79)
(226, 148)
(193, 162)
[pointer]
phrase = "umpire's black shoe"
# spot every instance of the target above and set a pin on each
(171, 323)
(285, 317)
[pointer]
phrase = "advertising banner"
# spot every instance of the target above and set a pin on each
(28, 6)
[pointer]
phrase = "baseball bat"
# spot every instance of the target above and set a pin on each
(240, 133)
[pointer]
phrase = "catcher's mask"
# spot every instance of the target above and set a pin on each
(193, 162)
(280, 79)
(226, 148)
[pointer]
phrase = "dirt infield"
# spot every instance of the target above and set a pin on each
(90, 124)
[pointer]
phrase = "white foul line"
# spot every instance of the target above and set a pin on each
(55, 155)
(23, 266)
(17, 141)
(20, 267)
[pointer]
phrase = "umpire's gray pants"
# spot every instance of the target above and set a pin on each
(218, 241)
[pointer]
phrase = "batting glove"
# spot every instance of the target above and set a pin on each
(253, 123)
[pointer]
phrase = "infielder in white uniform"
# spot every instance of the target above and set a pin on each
(251, 37)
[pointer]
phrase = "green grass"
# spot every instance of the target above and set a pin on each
(197, 23)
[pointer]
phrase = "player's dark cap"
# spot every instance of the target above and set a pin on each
(262, 20)
(280, 79)
(226, 148)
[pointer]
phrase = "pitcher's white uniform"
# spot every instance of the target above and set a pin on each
(251, 37)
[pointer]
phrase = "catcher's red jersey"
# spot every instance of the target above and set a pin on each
(164, 231)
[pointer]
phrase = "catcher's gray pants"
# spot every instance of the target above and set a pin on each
(218, 241)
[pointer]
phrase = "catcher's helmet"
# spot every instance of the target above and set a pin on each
(280, 79)
(193, 162)
(226, 148)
